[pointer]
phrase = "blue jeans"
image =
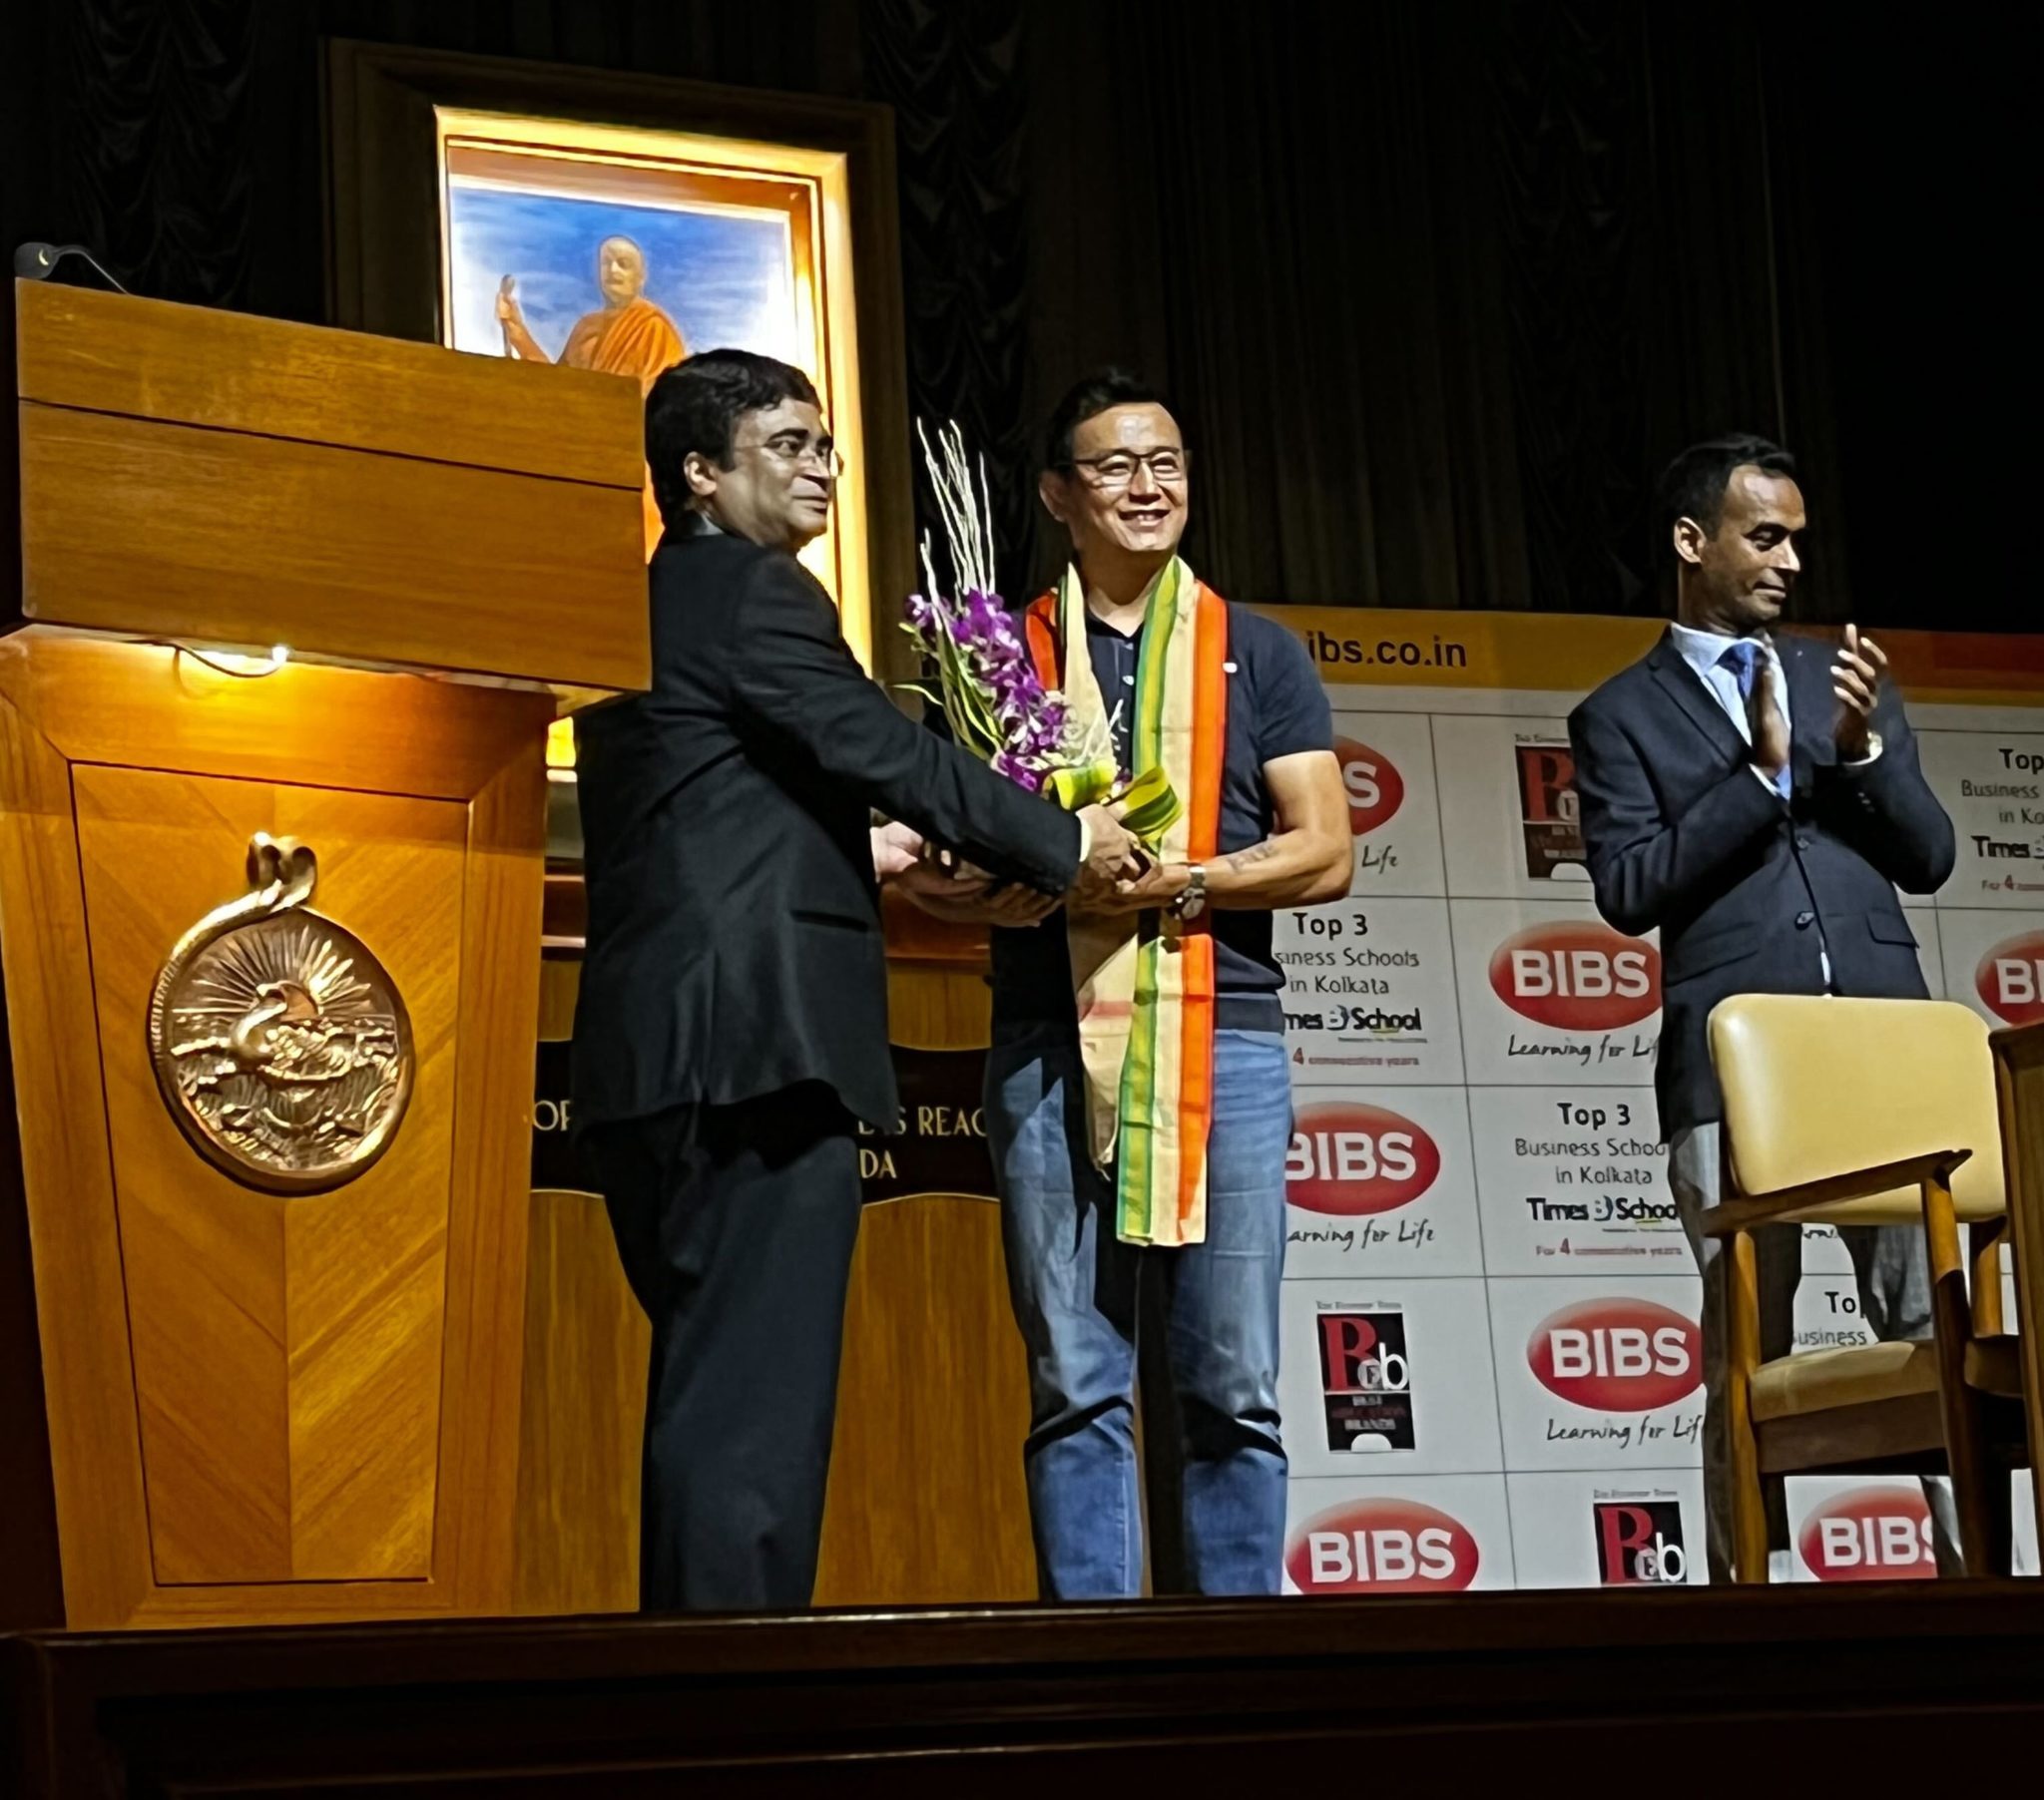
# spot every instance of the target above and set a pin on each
(1073, 1283)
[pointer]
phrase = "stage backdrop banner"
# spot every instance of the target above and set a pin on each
(1492, 1370)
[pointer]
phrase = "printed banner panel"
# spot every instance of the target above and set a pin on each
(1382, 1183)
(1599, 1374)
(1437, 1533)
(1992, 784)
(1629, 1528)
(1550, 993)
(1394, 812)
(1994, 963)
(1476, 1172)
(1491, 1346)
(1573, 1181)
(1392, 1375)
(1509, 786)
(1370, 992)
(1859, 1529)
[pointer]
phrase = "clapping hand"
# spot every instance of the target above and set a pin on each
(1770, 726)
(1855, 680)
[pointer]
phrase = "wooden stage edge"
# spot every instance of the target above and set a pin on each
(1005, 1701)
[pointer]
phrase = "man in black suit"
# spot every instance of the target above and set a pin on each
(1760, 804)
(732, 1022)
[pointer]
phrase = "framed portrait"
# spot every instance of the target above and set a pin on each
(618, 223)
(621, 251)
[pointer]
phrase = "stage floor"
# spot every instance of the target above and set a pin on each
(1666, 1691)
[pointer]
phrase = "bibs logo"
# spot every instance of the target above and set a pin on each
(2010, 979)
(1870, 1535)
(1349, 1161)
(1375, 788)
(1577, 977)
(1616, 1355)
(1381, 1546)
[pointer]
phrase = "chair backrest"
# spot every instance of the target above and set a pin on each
(1817, 1087)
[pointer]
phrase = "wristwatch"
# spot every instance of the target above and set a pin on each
(1192, 901)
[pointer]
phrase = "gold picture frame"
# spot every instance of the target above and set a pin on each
(414, 137)
(769, 230)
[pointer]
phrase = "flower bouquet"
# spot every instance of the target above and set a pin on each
(995, 701)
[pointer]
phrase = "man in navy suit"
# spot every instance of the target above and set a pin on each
(1760, 802)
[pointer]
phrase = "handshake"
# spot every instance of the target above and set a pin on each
(1113, 870)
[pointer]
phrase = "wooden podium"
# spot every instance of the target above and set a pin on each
(270, 921)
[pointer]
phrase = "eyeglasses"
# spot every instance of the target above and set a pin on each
(1117, 469)
(795, 449)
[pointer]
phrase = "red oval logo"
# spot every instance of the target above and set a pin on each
(1870, 1535)
(1577, 975)
(2010, 979)
(1349, 1161)
(1375, 788)
(1617, 1355)
(1381, 1546)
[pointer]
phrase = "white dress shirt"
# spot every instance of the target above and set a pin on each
(1704, 651)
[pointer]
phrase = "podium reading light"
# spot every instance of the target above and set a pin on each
(38, 261)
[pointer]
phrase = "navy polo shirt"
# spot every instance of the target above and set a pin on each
(1275, 707)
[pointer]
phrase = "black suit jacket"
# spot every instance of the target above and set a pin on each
(1747, 889)
(735, 941)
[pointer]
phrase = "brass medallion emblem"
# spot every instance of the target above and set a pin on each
(281, 1046)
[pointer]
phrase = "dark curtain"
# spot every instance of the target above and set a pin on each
(163, 182)
(1909, 153)
(1324, 309)
(954, 78)
(1436, 287)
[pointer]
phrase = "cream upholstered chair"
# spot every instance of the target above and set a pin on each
(1869, 1112)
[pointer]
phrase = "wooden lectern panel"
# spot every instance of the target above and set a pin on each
(270, 943)
(284, 1350)
(355, 498)
(237, 372)
(264, 1408)
(927, 1503)
(251, 563)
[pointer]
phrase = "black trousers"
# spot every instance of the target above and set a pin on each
(735, 1226)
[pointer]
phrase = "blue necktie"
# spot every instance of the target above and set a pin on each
(1744, 660)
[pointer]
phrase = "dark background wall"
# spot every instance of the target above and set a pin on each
(1435, 285)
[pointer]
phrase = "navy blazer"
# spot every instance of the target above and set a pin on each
(735, 944)
(1745, 887)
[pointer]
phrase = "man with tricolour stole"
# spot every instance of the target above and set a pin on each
(1137, 1100)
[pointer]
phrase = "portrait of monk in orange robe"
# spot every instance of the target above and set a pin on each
(628, 336)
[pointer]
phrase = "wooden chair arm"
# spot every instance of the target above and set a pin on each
(1786, 1204)
(2017, 1046)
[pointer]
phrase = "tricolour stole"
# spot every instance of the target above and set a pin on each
(1144, 981)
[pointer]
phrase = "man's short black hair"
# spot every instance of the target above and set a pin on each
(695, 406)
(1087, 399)
(1693, 485)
